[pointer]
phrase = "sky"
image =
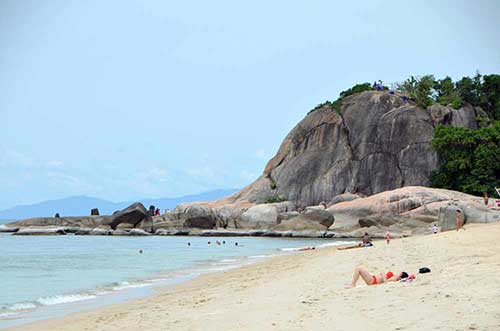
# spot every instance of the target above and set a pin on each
(124, 100)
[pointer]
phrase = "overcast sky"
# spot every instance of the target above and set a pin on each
(134, 99)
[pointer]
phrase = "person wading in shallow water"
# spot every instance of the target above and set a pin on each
(460, 220)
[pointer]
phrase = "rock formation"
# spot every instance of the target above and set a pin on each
(410, 209)
(133, 215)
(376, 142)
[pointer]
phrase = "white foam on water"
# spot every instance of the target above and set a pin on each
(22, 306)
(7, 314)
(58, 299)
(126, 285)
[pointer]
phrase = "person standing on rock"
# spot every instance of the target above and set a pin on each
(460, 220)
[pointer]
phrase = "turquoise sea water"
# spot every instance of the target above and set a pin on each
(37, 273)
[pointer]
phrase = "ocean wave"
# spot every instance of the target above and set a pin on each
(127, 285)
(7, 314)
(58, 299)
(228, 260)
(22, 306)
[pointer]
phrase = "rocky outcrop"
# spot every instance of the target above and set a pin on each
(374, 143)
(93, 232)
(132, 215)
(32, 231)
(195, 216)
(138, 232)
(84, 221)
(4, 228)
(265, 215)
(411, 209)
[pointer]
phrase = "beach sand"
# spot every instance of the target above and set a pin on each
(305, 291)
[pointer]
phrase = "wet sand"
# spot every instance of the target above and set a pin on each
(305, 291)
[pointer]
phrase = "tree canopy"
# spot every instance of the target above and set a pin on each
(469, 159)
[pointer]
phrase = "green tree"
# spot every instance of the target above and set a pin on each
(469, 159)
(447, 94)
(419, 89)
(469, 89)
(490, 95)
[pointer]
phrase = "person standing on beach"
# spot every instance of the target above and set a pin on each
(485, 198)
(435, 229)
(388, 237)
(460, 220)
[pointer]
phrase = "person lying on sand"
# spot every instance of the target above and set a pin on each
(367, 242)
(308, 248)
(374, 280)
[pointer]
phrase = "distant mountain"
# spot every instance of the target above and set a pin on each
(81, 205)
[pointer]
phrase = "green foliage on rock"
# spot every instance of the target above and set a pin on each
(275, 198)
(479, 91)
(358, 88)
(419, 89)
(272, 184)
(470, 159)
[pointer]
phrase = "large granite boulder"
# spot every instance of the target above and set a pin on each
(299, 224)
(133, 215)
(197, 216)
(265, 215)
(319, 215)
(374, 143)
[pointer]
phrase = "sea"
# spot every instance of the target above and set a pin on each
(51, 276)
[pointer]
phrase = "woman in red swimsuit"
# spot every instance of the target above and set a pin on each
(373, 279)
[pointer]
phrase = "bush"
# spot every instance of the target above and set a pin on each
(469, 159)
(358, 88)
(275, 198)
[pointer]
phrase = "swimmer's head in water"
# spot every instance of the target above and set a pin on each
(140, 251)
(404, 275)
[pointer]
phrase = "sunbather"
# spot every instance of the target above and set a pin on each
(373, 279)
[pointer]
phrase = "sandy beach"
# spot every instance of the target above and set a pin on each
(305, 291)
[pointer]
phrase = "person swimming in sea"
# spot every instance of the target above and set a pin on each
(371, 279)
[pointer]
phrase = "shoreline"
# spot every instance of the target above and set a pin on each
(63, 304)
(305, 290)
